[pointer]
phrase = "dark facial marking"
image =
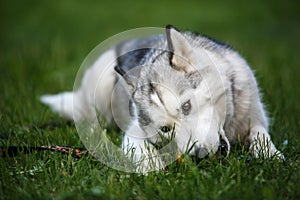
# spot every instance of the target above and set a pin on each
(151, 88)
(144, 118)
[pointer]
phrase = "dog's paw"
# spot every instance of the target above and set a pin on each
(265, 149)
(149, 165)
(146, 163)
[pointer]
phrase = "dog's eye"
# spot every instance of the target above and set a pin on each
(186, 107)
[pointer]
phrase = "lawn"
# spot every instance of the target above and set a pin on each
(42, 45)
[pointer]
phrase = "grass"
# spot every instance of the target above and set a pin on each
(42, 44)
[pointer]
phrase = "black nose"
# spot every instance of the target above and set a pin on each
(165, 129)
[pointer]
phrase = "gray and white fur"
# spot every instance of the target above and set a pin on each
(202, 87)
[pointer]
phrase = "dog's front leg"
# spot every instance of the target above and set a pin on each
(261, 144)
(142, 153)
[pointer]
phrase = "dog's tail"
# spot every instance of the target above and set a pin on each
(61, 103)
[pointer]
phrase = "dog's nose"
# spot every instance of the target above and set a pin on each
(199, 151)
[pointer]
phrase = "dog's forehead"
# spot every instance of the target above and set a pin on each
(164, 75)
(170, 92)
(164, 86)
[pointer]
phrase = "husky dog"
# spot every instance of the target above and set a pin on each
(180, 82)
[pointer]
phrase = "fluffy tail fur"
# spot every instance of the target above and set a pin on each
(61, 103)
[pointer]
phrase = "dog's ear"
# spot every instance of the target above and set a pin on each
(181, 51)
(129, 75)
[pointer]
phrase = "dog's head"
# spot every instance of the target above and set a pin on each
(171, 97)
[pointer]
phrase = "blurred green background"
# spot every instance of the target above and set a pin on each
(44, 42)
